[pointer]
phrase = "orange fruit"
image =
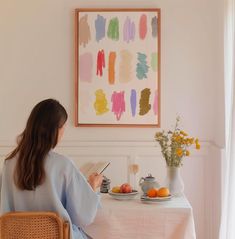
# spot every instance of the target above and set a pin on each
(163, 192)
(116, 189)
(152, 192)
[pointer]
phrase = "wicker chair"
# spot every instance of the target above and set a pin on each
(33, 225)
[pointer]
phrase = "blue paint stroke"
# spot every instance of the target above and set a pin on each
(133, 102)
(100, 27)
(128, 30)
(141, 66)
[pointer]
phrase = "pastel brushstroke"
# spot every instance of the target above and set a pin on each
(118, 104)
(100, 63)
(154, 61)
(85, 67)
(128, 30)
(125, 66)
(133, 102)
(100, 27)
(101, 103)
(154, 26)
(111, 70)
(84, 31)
(141, 66)
(143, 27)
(155, 103)
(113, 29)
(145, 106)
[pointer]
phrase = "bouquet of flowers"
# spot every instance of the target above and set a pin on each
(175, 144)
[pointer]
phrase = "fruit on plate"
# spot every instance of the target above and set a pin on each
(163, 192)
(116, 189)
(125, 188)
(152, 193)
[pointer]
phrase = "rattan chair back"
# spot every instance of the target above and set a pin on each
(33, 225)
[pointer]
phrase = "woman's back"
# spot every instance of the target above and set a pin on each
(34, 178)
(65, 191)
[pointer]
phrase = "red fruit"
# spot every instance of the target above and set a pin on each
(125, 188)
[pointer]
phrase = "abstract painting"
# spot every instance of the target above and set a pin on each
(117, 67)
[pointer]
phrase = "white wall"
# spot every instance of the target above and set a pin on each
(37, 62)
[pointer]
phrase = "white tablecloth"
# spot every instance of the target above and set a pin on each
(133, 219)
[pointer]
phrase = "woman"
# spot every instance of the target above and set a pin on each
(34, 178)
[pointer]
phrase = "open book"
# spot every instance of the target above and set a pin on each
(90, 168)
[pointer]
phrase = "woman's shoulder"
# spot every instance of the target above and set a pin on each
(61, 164)
(60, 160)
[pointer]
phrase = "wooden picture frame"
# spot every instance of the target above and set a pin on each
(117, 67)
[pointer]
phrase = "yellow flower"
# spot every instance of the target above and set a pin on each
(183, 133)
(179, 152)
(191, 140)
(159, 134)
(175, 144)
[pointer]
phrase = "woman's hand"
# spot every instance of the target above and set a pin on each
(95, 180)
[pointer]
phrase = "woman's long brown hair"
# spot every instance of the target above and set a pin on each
(38, 138)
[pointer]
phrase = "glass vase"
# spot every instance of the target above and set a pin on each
(174, 181)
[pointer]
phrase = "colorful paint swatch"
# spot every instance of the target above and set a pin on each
(85, 67)
(141, 66)
(100, 63)
(133, 100)
(100, 28)
(143, 26)
(154, 26)
(113, 29)
(125, 66)
(128, 30)
(112, 59)
(101, 103)
(145, 106)
(118, 104)
(84, 31)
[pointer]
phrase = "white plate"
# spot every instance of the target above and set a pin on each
(123, 196)
(155, 199)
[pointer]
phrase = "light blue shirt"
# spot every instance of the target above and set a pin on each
(65, 191)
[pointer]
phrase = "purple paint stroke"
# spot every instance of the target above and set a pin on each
(133, 102)
(85, 67)
(118, 106)
(128, 30)
(100, 27)
(155, 103)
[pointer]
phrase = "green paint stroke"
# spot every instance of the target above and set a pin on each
(144, 101)
(154, 61)
(141, 66)
(113, 29)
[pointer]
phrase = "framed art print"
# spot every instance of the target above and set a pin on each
(117, 67)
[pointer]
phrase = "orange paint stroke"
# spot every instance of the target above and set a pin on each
(112, 59)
